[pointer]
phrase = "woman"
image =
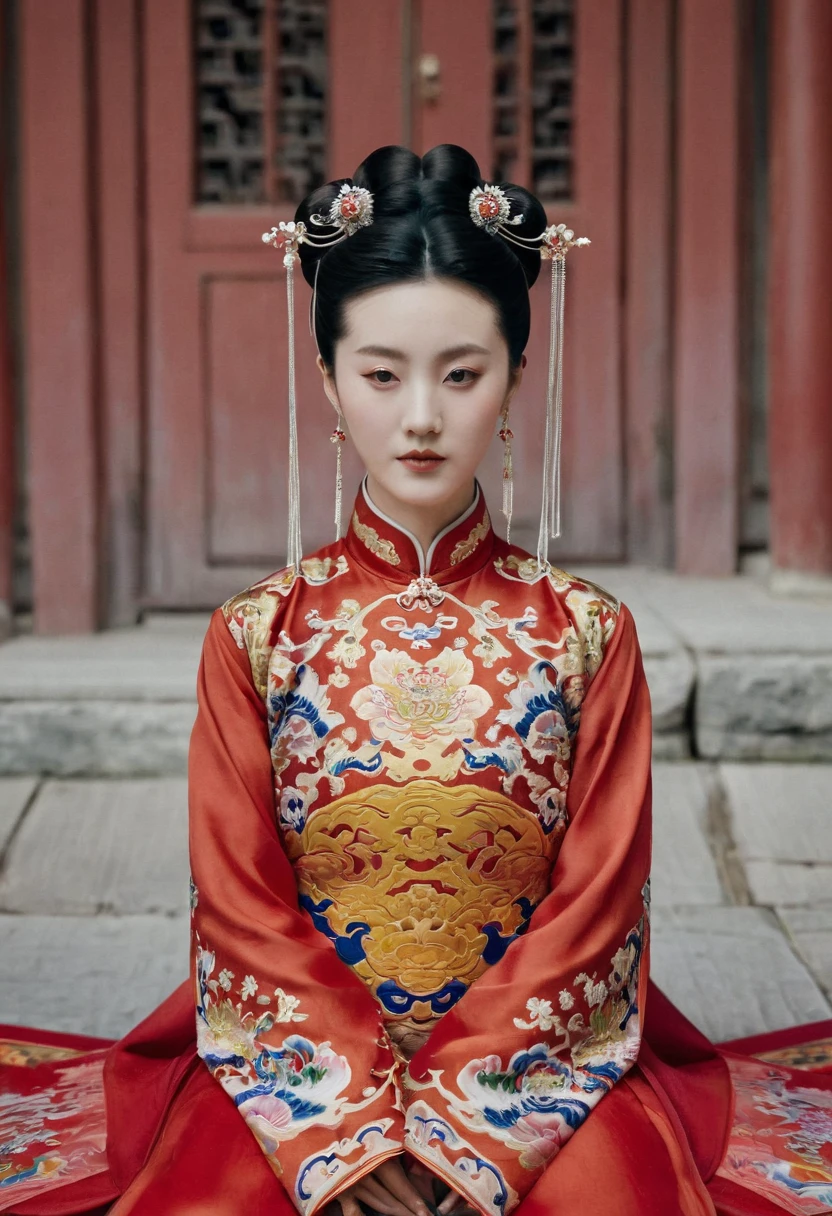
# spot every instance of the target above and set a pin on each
(420, 830)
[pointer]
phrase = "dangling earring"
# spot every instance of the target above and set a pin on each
(506, 434)
(338, 437)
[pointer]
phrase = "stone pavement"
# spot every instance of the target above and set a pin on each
(93, 896)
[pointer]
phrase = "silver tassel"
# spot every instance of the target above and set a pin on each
(338, 437)
(294, 547)
(550, 522)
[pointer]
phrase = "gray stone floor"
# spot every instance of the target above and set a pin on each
(93, 893)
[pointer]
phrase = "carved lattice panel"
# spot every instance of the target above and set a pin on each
(260, 78)
(533, 104)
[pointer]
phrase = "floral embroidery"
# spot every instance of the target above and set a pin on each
(52, 1132)
(522, 569)
(464, 548)
(411, 703)
(534, 1102)
(301, 718)
(385, 549)
(544, 712)
(779, 1142)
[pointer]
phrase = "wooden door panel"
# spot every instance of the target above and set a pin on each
(217, 370)
(216, 329)
(246, 457)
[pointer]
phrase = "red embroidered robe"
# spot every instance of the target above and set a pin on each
(420, 841)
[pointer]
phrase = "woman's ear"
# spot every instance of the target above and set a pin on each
(329, 384)
(514, 381)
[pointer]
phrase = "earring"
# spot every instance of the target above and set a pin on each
(506, 434)
(338, 437)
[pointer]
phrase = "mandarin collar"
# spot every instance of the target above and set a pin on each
(385, 547)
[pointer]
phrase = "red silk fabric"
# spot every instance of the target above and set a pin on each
(420, 842)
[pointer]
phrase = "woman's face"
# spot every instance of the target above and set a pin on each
(421, 376)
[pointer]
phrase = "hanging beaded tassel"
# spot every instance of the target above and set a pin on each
(338, 437)
(490, 208)
(506, 434)
(287, 236)
(557, 241)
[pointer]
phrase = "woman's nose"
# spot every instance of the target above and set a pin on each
(423, 416)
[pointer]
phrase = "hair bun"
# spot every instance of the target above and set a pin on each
(452, 164)
(388, 167)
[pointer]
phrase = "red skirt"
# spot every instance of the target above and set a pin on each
(140, 1126)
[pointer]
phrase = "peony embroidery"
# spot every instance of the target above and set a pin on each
(411, 703)
(301, 718)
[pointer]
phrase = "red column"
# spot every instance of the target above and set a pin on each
(800, 286)
(59, 323)
(706, 376)
(7, 469)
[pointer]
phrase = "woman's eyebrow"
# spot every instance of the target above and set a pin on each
(453, 352)
(381, 352)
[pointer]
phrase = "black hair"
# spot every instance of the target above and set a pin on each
(422, 228)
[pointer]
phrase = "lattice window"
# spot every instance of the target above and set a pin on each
(533, 114)
(260, 70)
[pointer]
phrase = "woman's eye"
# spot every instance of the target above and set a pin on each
(461, 375)
(382, 376)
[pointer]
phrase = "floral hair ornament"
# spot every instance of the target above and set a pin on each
(351, 209)
(490, 208)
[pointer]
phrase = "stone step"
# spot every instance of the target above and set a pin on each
(97, 975)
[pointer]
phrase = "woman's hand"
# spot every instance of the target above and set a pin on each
(425, 1182)
(387, 1190)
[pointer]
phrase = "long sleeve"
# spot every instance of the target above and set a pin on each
(289, 1031)
(540, 1037)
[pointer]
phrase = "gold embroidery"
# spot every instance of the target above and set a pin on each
(250, 615)
(385, 549)
(527, 568)
(413, 874)
(466, 547)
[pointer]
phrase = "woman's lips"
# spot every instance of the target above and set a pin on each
(421, 462)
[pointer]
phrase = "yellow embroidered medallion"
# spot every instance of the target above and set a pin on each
(421, 887)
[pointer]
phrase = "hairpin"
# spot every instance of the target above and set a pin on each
(490, 208)
(351, 209)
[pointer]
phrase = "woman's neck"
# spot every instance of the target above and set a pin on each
(423, 522)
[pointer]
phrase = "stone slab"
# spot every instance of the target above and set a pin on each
(769, 706)
(674, 745)
(141, 664)
(780, 812)
(732, 615)
(789, 883)
(684, 870)
(732, 972)
(110, 738)
(670, 678)
(88, 847)
(811, 931)
(89, 975)
(633, 585)
(15, 793)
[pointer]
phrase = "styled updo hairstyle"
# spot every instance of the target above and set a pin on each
(422, 229)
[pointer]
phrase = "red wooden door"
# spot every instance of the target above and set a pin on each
(251, 102)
